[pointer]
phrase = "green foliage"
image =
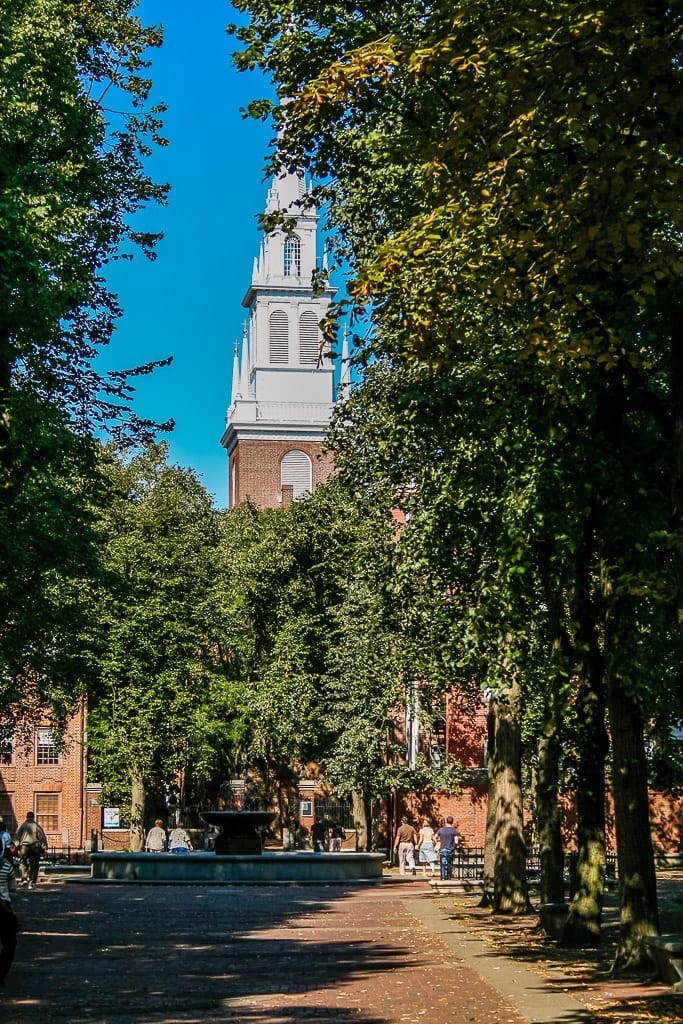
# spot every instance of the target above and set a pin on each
(72, 174)
(505, 181)
(75, 127)
(522, 276)
(314, 655)
(157, 693)
(49, 564)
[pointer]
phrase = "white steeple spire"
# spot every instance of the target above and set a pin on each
(345, 378)
(235, 389)
(245, 367)
(282, 392)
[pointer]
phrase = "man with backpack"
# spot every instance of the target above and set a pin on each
(31, 842)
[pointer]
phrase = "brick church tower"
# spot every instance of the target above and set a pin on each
(282, 387)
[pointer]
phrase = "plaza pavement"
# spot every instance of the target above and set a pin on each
(383, 953)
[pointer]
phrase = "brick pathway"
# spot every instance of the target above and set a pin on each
(255, 955)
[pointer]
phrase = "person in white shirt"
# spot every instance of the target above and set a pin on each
(179, 841)
(156, 838)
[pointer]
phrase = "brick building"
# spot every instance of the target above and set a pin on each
(38, 774)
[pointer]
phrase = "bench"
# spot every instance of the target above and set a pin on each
(667, 953)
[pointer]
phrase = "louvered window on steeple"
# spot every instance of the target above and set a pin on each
(295, 471)
(292, 252)
(309, 342)
(278, 337)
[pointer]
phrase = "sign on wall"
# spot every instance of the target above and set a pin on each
(110, 817)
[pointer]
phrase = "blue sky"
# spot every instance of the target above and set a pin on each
(187, 303)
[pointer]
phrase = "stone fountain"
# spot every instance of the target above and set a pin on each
(238, 860)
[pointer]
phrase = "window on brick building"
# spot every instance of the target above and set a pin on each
(233, 483)
(7, 811)
(47, 811)
(295, 471)
(46, 748)
(6, 748)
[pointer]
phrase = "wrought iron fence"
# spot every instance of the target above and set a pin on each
(66, 855)
(469, 864)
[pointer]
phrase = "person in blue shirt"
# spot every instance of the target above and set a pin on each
(448, 839)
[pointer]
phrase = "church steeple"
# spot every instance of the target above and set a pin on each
(285, 391)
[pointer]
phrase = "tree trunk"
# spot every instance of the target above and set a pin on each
(677, 467)
(510, 895)
(375, 808)
(360, 820)
(490, 841)
(639, 915)
(583, 928)
(137, 811)
(549, 747)
(548, 815)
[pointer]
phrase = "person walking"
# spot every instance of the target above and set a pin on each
(31, 842)
(179, 841)
(156, 838)
(337, 837)
(9, 924)
(318, 835)
(448, 839)
(426, 851)
(5, 836)
(404, 844)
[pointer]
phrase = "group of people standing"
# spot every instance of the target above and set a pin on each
(325, 836)
(158, 840)
(432, 847)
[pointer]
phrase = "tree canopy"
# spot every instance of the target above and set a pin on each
(75, 128)
(505, 185)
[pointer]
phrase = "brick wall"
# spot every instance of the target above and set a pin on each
(466, 731)
(255, 469)
(28, 786)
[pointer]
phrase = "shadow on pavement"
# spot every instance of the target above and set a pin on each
(164, 953)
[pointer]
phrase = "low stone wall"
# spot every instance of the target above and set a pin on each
(210, 868)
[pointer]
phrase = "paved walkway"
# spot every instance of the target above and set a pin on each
(375, 954)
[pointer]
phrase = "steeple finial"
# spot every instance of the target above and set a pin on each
(235, 389)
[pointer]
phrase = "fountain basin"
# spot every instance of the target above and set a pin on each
(298, 868)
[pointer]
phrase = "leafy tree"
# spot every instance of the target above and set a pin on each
(529, 221)
(158, 687)
(313, 673)
(75, 127)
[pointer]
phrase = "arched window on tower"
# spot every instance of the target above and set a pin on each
(309, 339)
(278, 337)
(292, 256)
(295, 473)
